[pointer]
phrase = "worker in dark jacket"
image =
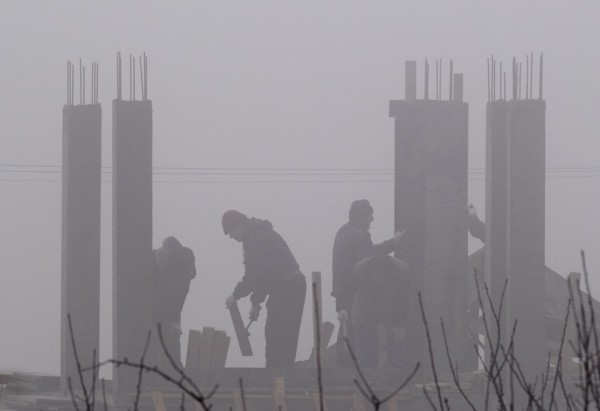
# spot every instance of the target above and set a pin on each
(270, 270)
(382, 297)
(174, 269)
(353, 243)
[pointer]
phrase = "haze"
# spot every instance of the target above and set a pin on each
(303, 85)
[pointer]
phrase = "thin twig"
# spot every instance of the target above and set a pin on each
(242, 394)
(317, 347)
(429, 344)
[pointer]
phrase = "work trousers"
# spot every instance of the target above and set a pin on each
(284, 315)
(366, 337)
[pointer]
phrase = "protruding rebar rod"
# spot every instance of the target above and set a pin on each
(450, 82)
(541, 96)
(493, 78)
(500, 85)
(520, 78)
(488, 81)
(97, 82)
(426, 96)
(440, 82)
(72, 83)
(80, 79)
(514, 78)
(68, 82)
(527, 79)
(141, 76)
(130, 81)
(134, 78)
(531, 78)
(146, 76)
(437, 68)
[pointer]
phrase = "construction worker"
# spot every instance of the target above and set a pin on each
(382, 298)
(270, 270)
(353, 243)
(174, 269)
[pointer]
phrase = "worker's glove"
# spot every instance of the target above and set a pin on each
(342, 316)
(472, 210)
(397, 238)
(397, 334)
(254, 312)
(230, 301)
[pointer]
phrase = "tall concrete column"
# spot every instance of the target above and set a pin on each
(496, 211)
(526, 225)
(80, 274)
(132, 234)
(515, 217)
(431, 176)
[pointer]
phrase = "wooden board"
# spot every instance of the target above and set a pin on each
(240, 331)
(206, 347)
(326, 333)
(219, 350)
(159, 401)
(279, 394)
(191, 359)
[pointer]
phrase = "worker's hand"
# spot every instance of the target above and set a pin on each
(397, 334)
(342, 316)
(254, 312)
(472, 210)
(397, 237)
(230, 301)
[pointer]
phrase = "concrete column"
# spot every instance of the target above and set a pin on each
(496, 211)
(132, 234)
(431, 175)
(80, 274)
(526, 232)
(515, 224)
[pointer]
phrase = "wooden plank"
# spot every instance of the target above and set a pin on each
(191, 359)
(315, 397)
(237, 400)
(240, 331)
(279, 394)
(220, 349)
(159, 401)
(326, 333)
(358, 403)
(393, 404)
(206, 347)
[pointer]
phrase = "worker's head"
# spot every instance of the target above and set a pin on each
(361, 213)
(234, 223)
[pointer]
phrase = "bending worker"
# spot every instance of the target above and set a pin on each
(352, 244)
(270, 270)
(174, 269)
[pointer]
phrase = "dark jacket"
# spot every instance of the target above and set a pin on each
(383, 292)
(268, 262)
(173, 271)
(351, 245)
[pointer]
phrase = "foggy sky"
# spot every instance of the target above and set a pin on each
(269, 85)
